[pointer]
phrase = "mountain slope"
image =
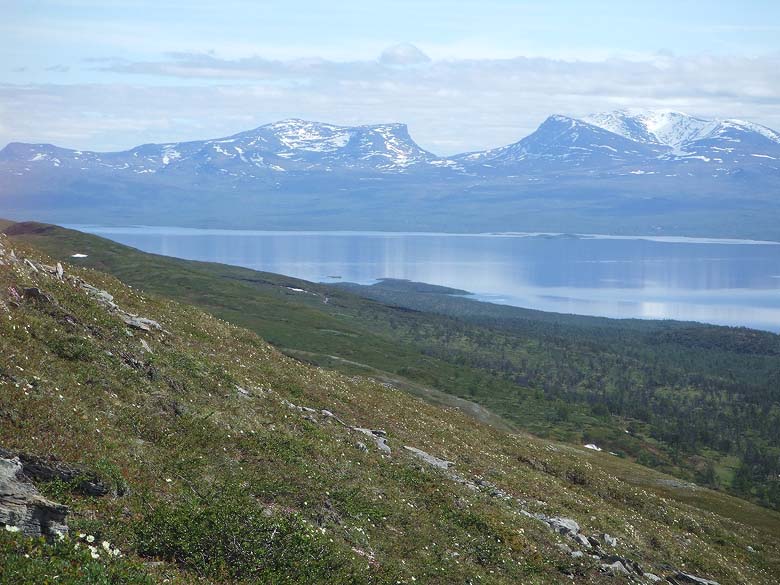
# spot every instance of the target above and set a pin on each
(700, 402)
(230, 463)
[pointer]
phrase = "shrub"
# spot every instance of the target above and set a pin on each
(228, 535)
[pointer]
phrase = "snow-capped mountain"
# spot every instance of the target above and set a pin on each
(289, 145)
(683, 134)
(295, 172)
(567, 143)
(635, 142)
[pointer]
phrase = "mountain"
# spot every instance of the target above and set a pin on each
(562, 142)
(625, 171)
(289, 145)
(178, 447)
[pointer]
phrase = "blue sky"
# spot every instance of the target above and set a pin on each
(109, 75)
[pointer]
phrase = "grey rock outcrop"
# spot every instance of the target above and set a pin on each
(430, 459)
(41, 469)
(617, 568)
(565, 526)
(379, 436)
(21, 505)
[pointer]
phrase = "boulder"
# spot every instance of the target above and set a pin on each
(36, 294)
(379, 436)
(429, 459)
(617, 568)
(22, 507)
(565, 526)
(41, 469)
(141, 323)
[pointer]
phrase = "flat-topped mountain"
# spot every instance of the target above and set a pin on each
(666, 172)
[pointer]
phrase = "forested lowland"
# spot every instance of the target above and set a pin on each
(698, 401)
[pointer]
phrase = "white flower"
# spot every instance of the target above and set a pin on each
(94, 554)
(90, 539)
(106, 546)
(11, 528)
(81, 535)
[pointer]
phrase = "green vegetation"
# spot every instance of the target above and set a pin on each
(700, 402)
(224, 480)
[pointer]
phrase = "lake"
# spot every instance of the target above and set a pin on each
(729, 282)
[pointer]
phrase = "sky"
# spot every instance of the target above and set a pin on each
(464, 75)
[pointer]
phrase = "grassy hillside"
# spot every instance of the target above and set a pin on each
(227, 461)
(697, 401)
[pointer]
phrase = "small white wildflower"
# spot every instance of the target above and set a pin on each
(90, 539)
(11, 528)
(106, 546)
(94, 554)
(168, 480)
(82, 535)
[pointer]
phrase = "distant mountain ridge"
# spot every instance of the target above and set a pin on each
(301, 145)
(295, 172)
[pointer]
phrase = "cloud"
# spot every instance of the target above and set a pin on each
(58, 69)
(403, 54)
(450, 105)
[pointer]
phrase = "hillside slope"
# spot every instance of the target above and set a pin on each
(228, 461)
(697, 401)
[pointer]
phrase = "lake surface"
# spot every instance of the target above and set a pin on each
(727, 282)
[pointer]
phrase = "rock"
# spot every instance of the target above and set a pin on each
(564, 548)
(429, 459)
(610, 540)
(362, 446)
(41, 469)
(32, 266)
(36, 294)
(617, 568)
(60, 271)
(577, 554)
(565, 526)
(688, 578)
(101, 296)
(379, 436)
(141, 323)
(23, 507)
(582, 540)
(145, 346)
(652, 578)
(750, 549)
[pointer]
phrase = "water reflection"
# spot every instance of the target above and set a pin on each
(716, 282)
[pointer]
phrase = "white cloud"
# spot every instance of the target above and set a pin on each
(450, 105)
(403, 54)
